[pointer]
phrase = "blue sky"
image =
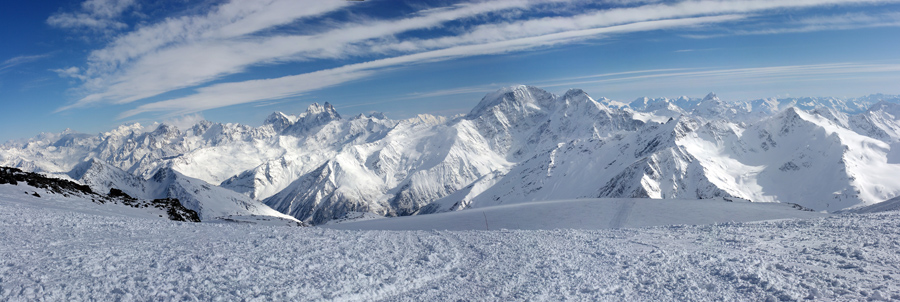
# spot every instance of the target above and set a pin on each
(93, 65)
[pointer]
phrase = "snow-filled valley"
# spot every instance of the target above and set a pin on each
(57, 248)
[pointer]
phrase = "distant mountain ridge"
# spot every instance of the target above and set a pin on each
(518, 144)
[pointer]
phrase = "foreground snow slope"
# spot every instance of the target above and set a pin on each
(588, 214)
(48, 253)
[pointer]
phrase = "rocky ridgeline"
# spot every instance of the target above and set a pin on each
(175, 210)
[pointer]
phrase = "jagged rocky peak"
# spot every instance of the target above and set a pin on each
(578, 97)
(711, 106)
(81, 168)
(575, 93)
(791, 113)
(520, 99)
(165, 130)
(124, 130)
(835, 116)
(886, 107)
(640, 103)
(70, 138)
(164, 174)
(426, 119)
(646, 104)
(279, 121)
(791, 118)
(674, 128)
(315, 115)
(321, 113)
(201, 127)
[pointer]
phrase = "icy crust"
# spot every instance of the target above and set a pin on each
(61, 255)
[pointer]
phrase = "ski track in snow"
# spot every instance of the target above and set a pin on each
(621, 214)
(57, 255)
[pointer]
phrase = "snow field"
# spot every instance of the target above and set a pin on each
(50, 254)
(587, 213)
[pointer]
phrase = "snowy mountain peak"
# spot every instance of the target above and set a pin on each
(712, 107)
(82, 168)
(577, 98)
(640, 103)
(280, 121)
(377, 115)
(790, 118)
(886, 107)
(320, 113)
(316, 115)
(165, 130)
(315, 109)
(518, 100)
(124, 130)
(791, 113)
(575, 92)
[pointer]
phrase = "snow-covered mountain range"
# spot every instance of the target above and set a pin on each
(518, 144)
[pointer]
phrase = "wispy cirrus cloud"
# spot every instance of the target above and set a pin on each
(229, 94)
(639, 81)
(456, 91)
(195, 50)
(817, 23)
(135, 67)
(94, 15)
(836, 22)
(19, 60)
(772, 72)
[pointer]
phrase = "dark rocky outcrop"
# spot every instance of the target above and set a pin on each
(173, 207)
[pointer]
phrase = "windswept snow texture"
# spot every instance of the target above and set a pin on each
(588, 214)
(892, 204)
(51, 253)
(518, 144)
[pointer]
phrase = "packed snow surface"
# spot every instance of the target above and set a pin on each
(50, 252)
(587, 214)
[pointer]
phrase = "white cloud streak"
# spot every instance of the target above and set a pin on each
(96, 15)
(739, 76)
(819, 23)
(455, 91)
(192, 51)
(15, 61)
(229, 94)
(209, 50)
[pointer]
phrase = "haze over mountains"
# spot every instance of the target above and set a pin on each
(519, 144)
